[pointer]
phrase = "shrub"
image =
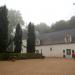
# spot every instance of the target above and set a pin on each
(18, 56)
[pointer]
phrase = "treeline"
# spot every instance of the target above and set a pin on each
(60, 25)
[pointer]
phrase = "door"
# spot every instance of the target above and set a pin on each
(68, 53)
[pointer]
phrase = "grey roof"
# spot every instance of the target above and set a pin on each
(54, 37)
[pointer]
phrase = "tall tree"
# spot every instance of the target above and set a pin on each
(14, 18)
(3, 29)
(18, 39)
(31, 39)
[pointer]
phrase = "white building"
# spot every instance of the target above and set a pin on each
(55, 44)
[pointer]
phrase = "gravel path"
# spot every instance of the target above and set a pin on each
(38, 67)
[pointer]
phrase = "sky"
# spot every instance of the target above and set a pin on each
(47, 11)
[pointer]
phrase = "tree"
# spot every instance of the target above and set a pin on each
(18, 39)
(72, 22)
(60, 25)
(42, 28)
(14, 18)
(3, 29)
(31, 39)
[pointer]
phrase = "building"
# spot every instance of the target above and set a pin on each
(55, 44)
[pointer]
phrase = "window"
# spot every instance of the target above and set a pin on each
(68, 51)
(50, 49)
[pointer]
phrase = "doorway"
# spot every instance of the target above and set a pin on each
(68, 53)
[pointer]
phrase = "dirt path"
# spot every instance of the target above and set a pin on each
(38, 67)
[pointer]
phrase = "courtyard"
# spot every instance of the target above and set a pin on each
(48, 66)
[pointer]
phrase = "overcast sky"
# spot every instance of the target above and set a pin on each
(48, 11)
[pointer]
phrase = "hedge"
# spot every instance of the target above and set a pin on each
(9, 56)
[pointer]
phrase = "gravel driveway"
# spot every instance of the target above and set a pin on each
(50, 66)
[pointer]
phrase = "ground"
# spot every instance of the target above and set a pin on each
(49, 66)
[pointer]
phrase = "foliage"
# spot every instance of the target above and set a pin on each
(14, 18)
(72, 22)
(62, 25)
(31, 39)
(59, 25)
(18, 39)
(42, 28)
(10, 56)
(3, 29)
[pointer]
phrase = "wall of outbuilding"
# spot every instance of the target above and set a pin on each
(53, 50)
(56, 50)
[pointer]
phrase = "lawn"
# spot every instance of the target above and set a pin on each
(50, 66)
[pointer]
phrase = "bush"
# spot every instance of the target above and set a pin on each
(18, 56)
(4, 56)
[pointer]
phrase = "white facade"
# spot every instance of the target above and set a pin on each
(55, 50)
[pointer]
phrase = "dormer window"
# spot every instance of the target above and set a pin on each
(68, 38)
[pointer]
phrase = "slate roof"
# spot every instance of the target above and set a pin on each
(55, 37)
